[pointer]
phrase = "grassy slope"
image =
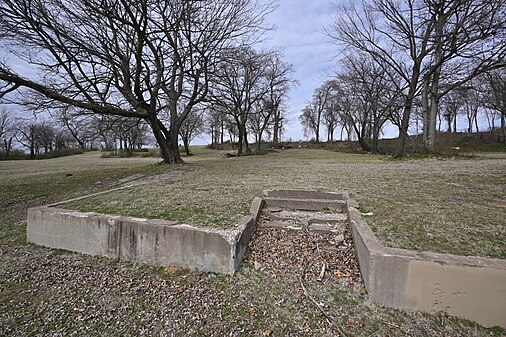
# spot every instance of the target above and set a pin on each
(449, 206)
(52, 292)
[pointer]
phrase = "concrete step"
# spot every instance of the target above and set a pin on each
(306, 194)
(305, 204)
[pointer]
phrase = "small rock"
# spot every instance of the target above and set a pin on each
(257, 265)
(339, 239)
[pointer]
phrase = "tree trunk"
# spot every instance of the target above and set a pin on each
(222, 132)
(259, 141)
(186, 144)
(167, 140)
(275, 137)
(403, 128)
(449, 121)
(476, 121)
(245, 136)
(425, 111)
(174, 155)
(240, 142)
(213, 135)
(503, 128)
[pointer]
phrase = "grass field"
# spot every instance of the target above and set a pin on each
(442, 205)
(448, 206)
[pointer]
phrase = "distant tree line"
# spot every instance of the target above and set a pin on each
(42, 137)
(402, 61)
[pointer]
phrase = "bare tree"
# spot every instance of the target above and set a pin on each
(333, 108)
(269, 110)
(312, 115)
(279, 80)
(26, 135)
(192, 127)
(413, 39)
(215, 124)
(374, 98)
(396, 34)
(468, 40)
(6, 131)
(451, 106)
(495, 96)
(240, 86)
(136, 59)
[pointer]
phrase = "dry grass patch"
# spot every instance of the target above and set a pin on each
(54, 292)
(448, 206)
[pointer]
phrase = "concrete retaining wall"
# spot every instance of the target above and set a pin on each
(469, 287)
(154, 242)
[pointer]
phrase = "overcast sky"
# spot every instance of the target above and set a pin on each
(299, 35)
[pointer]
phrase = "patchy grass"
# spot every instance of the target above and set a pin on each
(26, 184)
(54, 292)
(440, 204)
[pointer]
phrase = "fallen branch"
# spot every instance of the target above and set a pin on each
(329, 318)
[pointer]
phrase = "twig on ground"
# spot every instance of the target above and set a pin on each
(322, 272)
(329, 318)
(392, 325)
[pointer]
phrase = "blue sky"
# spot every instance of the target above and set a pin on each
(299, 35)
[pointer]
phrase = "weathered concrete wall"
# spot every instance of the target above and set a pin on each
(469, 287)
(304, 204)
(305, 194)
(154, 242)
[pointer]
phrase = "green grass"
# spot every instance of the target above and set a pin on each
(54, 292)
(441, 204)
(33, 183)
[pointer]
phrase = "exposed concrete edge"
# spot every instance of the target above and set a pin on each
(304, 204)
(466, 286)
(141, 240)
(305, 194)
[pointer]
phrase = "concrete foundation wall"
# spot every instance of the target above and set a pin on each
(154, 242)
(306, 194)
(469, 287)
(305, 204)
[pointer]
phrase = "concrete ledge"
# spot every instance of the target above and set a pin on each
(305, 204)
(154, 242)
(469, 287)
(306, 194)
